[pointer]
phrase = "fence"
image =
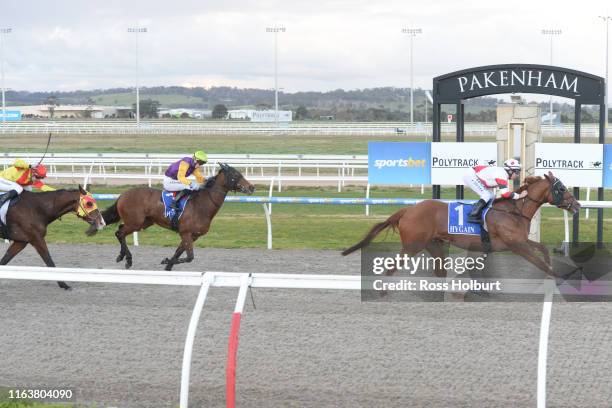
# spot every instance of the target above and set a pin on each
(248, 128)
(263, 280)
(337, 169)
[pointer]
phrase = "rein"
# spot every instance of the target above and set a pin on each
(527, 197)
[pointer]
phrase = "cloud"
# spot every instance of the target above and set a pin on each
(68, 44)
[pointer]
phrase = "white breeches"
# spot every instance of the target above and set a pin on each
(472, 181)
(7, 185)
(171, 184)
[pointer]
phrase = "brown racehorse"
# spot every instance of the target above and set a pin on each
(29, 217)
(424, 226)
(141, 207)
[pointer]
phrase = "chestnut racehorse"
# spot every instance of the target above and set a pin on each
(141, 207)
(424, 226)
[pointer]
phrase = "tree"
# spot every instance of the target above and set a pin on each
(219, 112)
(148, 108)
(302, 113)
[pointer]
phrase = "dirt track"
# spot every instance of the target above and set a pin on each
(121, 345)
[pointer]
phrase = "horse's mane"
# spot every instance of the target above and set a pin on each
(529, 180)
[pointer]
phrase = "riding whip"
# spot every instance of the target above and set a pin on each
(46, 149)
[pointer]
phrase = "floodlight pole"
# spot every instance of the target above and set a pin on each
(3, 32)
(137, 31)
(276, 30)
(606, 20)
(551, 33)
(412, 32)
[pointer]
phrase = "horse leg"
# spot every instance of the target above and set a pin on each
(15, 248)
(527, 251)
(121, 233)
(542, 248)
(43, 251)
(185, 245)
(122, 250)
(436, 250)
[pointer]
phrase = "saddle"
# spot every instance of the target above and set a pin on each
(4, 228)
(170, 212)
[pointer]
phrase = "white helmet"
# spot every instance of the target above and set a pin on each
(511, 165)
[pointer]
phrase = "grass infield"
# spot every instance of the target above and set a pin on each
(295, 226)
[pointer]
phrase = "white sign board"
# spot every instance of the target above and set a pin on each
(450, 161)
(576, 165)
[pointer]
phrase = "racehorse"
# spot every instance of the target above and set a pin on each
(424, 226)
(27, 219)
(141, 207)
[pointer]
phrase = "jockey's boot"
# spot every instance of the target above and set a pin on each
(177, 199)
(474, 216)
(7, 197)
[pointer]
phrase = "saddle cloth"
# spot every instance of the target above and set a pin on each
(168, 198)
(458, 219)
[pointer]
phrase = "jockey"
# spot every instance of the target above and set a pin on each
(21, 176)
(175, 178)
(483, 179)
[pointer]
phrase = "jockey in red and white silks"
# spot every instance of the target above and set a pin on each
(484, 179)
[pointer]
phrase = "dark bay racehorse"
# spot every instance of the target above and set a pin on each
(424, 226)
(29, 217)
(141, 207)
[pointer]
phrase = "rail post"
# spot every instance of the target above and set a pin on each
(207, 279)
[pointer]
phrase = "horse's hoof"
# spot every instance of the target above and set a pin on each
(168, 267)
(120, 258)
(63, 285)
(128, 264)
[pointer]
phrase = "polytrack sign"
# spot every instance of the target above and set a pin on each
(577, 165)
(450, 161)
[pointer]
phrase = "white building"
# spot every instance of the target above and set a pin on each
(260, 116)
(71, 111)
(178, 113)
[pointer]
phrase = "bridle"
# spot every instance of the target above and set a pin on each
(556, 189)
(232, 177)
(83, 212)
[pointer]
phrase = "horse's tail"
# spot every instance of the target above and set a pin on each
(110, 216)
(392, 221)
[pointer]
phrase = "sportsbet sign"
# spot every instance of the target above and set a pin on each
(577, 165)
(399, 163)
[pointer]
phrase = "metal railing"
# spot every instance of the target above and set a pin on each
(250, 128)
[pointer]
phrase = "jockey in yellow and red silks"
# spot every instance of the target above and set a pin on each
(21, 176)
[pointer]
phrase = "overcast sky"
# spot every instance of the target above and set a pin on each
(67, 45)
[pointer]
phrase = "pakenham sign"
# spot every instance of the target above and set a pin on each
(523, 78)
(505, 78)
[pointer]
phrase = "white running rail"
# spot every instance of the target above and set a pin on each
(263, 280)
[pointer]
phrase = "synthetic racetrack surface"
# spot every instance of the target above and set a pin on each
(121, 345)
